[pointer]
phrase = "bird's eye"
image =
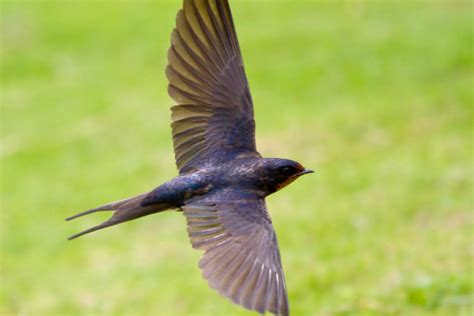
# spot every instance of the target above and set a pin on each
(287, 170)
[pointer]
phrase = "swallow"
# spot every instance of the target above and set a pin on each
(223, 180)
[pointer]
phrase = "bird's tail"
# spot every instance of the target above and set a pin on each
(123, 211)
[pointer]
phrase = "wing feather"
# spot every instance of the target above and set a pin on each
(207, 81)
(241, 258)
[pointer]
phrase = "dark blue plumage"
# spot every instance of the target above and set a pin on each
(262, 176)
(223, 180)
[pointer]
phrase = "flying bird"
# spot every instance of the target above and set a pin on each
(223, 181)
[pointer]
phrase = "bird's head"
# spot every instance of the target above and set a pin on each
(278, 173)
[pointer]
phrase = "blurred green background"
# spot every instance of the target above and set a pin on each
(376, 96)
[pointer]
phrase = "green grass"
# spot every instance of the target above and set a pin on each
(375, 96)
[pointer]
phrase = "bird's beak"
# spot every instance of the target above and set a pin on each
(304, 172)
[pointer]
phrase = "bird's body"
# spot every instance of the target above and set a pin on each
(223, 180)
(244, 174)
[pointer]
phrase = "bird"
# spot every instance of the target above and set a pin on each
(223, 180)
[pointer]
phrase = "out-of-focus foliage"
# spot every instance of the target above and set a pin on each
(375, 96)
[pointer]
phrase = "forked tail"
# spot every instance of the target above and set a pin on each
(123, 211)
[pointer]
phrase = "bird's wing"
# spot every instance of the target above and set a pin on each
(213, 116)
(241, 259)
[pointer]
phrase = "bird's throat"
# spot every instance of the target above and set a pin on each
(285, 183)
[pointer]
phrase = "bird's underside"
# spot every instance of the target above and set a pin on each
(213, 124)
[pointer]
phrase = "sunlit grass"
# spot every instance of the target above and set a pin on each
(375, 96)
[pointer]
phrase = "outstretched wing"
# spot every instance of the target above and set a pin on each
(213, 116)
(241, 259)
